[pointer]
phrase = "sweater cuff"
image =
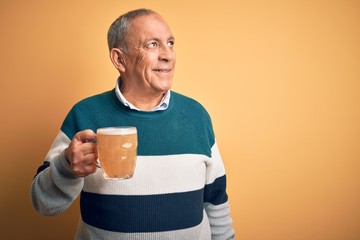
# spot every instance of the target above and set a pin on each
(63, 167)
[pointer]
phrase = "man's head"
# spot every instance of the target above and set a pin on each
(119, 28)
(141, 48)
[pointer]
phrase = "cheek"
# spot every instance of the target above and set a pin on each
(140, 58)
(147, 59)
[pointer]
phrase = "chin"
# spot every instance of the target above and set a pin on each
(166, 85)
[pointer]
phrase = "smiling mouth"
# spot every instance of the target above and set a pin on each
(162, 70)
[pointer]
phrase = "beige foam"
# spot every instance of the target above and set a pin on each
(117, 130)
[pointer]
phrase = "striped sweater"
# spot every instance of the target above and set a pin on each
(179, 187)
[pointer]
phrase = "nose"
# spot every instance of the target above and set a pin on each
(167, 54)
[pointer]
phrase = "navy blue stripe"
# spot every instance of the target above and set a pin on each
(215, 193)
(42, 168)
(149, 213)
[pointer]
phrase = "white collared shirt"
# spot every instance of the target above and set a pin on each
(163, 105)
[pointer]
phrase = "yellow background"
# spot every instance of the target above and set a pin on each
(281, 80)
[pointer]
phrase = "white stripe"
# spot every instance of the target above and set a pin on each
(155, 175)
(215, 167)
(60, 143)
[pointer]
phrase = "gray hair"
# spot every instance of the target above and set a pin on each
(116, 36)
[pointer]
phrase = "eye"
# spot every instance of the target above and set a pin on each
(170, 43)
(152, 45)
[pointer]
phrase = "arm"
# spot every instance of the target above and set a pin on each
(59, 180)
(216, 200)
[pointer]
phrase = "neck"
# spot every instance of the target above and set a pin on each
(142, 99)
(143, 103)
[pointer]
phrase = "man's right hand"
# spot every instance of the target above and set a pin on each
(82, 154)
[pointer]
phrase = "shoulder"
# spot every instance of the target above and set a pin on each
(95, 100)
(188, 106)
(85, 114)
(195, 114)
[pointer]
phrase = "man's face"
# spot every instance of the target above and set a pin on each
(150, 58)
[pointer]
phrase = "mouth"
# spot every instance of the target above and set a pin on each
(162, 70)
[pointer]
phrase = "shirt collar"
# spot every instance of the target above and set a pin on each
(163, 105)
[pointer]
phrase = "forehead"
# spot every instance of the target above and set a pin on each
(149, 26)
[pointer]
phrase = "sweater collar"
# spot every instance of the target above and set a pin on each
(163, 105)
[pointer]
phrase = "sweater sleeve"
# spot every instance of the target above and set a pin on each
(216, 200)
(55, 187)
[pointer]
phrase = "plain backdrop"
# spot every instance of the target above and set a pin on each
(281, 80)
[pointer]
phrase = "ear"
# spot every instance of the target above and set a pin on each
(117, 58)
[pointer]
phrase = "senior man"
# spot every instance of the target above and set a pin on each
(178, 190)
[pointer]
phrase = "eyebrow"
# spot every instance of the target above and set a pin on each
(158, 39)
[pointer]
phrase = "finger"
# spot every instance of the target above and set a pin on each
(85, 170)
(88, 148)
(86, 166)
(81, 154)
(89, 159)
(85, 136)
